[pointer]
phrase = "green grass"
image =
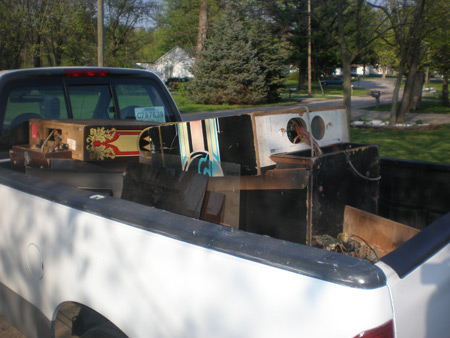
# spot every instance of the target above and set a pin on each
(329, 91)
(436, 84)
(437, 93)
(431, 103)
(427, 107)
(412, 144)
(187, 106)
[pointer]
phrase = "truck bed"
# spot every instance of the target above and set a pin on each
(168, 245)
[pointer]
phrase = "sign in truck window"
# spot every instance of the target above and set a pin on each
(153, 114)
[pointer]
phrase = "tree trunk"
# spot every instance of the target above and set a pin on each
(58, 58)
(202, 26)
(50, 61)
(301, 80)
(413, 58)
(395, 94)
(409, 86)
(445, 89)
(346, 72)
(37, 53)
(417, 91)
(427, 75)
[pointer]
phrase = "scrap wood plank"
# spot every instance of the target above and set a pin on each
(381, 233)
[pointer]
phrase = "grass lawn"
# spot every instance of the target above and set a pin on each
(431, 103)
(428, 106)
(437, 85)
(414, 144)
(329, 91)
(187, 106)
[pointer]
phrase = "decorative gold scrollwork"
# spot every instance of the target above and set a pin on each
(97, 143)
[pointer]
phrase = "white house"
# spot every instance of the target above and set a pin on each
(176, 63)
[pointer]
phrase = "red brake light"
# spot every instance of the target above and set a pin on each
(384, 331)
(86, 72)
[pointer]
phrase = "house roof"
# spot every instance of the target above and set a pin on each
(173, 51)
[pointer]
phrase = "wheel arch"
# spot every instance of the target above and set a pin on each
(73, 318)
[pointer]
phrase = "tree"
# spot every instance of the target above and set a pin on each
(289, 20)
(352, 25)
(81, 42)
(413, 55)
(385, 52)
(12, 33)
(35, 20)
(45, 31)
(271, 58)
(179, 23)
(325, 54)
(64, 32)
(439, 42)
(147, 51)
(407, 20)
(366, 57)
(69, 35)
(202, 27)
(240, 65)
(122, 18)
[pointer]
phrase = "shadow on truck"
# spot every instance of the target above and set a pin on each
(291, 175)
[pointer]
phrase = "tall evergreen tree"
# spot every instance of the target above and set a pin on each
(272, 59)
(239, 65)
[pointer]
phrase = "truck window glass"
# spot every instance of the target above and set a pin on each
(142, 101)
(91, 102)
(36, 101)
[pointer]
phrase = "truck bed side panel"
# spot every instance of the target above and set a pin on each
(419, 279)
(150, 284)
(422, 297)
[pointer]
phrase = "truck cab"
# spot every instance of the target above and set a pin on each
(80, 94)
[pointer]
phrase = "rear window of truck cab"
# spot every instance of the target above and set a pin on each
(85, 98)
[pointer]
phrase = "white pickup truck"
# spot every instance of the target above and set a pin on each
(119, 220)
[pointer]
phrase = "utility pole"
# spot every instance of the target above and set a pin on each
(100, 44)
(309, 49)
